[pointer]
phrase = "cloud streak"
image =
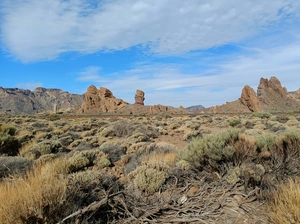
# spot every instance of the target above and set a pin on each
(34, 30)
(169, 84)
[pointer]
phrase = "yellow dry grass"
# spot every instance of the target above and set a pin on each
(285, 208)
(35, 197)
(169, 158)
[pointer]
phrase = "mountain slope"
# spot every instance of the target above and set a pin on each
(20, 101)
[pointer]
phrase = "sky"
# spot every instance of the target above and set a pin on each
(179, 52)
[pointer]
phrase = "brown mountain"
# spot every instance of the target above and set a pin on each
(271, 96)
(20, 101)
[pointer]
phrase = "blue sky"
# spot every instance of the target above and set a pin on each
(178, 52)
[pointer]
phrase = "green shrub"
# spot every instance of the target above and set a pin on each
(148, 179)
(211, 149)
(261, 114)
(113, 151)
(54, 117)
(43, 148)
(265, 142)
(88, 158)
(4, 128)
(234, 122)
(9, 145)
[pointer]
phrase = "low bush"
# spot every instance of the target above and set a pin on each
(7, 129)
(148, 179)
(261, 114)
(87, 158)
(113, 151)
(9, 145)
(211, 149)
(43, 148)
(14, 165)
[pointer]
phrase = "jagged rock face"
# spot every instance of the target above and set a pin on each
(20, 101)
(269, 86)
(100, 101)
(250, 100)
(273, 97)
(139, 97)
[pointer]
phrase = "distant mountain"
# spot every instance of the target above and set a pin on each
(196, 107)
(20, 101)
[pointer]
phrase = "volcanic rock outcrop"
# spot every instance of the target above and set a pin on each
(139, 97)
(101, 101)
(274, 97)
(271, 96)
(20, 101)
(250, 100)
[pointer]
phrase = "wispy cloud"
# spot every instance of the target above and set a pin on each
(34, 30)
(170, 84)
(29, 85)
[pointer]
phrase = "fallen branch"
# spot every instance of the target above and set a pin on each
(94, 206)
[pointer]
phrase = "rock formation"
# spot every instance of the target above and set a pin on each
(271, 96)
(274, 97)
(139, 97)
(20, 101)
(100, 101)
(250, 100)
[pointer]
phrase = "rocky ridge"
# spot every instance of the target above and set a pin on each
(20, 101)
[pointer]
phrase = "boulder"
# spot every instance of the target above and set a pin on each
(250, 100)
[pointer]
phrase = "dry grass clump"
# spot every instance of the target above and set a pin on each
(285, 207)
(38, 197)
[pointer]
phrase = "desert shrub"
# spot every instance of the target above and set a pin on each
(7, 129)
(9, 145)
(13, 165)
(250, 173)
(39, 197)
(261, 114)
(43, 148)
(85, 188)
(249, 124)
(54, 117)
(265, 142)
(282, 119)
(284, 208)
(113, 151)
(211, 149)
(286, 153)
(192, 134)
(148, 179)
(87, 158)
(234, 122)
(123, 128)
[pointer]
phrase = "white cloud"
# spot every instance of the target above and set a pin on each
(29, 85)
(34, 30)
(169, 84)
